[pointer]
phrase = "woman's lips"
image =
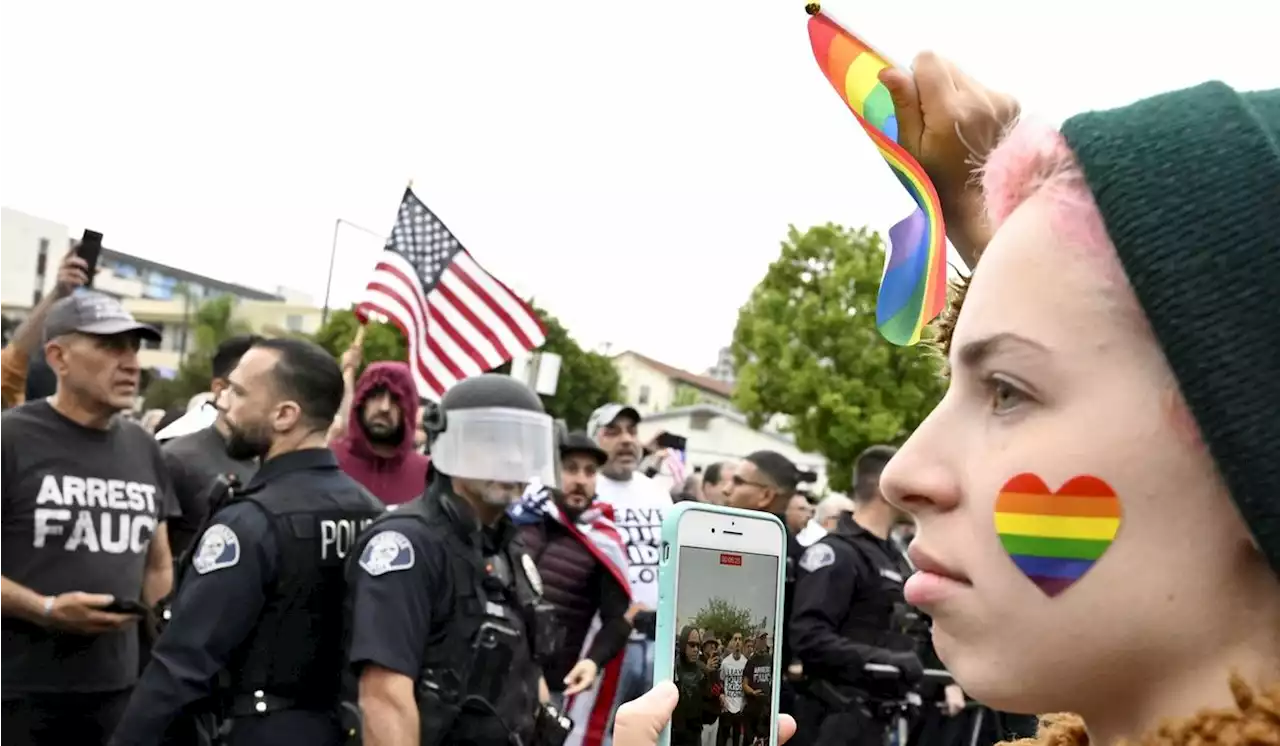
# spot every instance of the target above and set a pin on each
(933, 582)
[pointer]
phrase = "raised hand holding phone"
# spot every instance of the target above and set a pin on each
(720, 572)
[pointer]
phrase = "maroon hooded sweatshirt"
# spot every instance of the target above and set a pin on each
(403, 476)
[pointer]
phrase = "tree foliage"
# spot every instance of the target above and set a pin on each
(806, 346)
(724, 618)
(212, 324)
(381, 341)
(685, 396)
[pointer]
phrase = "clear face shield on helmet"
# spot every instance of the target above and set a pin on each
(504, 449)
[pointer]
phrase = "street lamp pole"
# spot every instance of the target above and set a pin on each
(333, 255)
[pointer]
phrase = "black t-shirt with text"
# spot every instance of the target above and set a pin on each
(759, 673)
(80, 507)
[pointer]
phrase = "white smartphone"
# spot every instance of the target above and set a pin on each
(720, 579)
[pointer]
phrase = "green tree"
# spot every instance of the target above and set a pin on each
(381, 341)
(685, 396)
(806, 346)
(212, 324)
(723, 618)
(587, 379)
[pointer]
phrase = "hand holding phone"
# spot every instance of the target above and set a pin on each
(125, 606)
(720, 570)
(90, 250)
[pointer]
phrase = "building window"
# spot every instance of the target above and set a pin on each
(700, 421)
(644, 396)
(151, 344)
(125, 271)
(293, 322)
(42, 259)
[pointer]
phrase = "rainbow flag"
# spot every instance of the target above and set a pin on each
(1055, 537)
(913, 290)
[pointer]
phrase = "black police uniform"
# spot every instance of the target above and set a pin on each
(455, 606)
(256, 630)
(848, 600)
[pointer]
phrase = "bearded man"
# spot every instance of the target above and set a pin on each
(378, 449)
(582, 560)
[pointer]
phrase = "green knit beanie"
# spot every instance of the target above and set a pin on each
(1189, 188)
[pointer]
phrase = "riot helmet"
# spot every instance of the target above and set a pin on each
(493, 429)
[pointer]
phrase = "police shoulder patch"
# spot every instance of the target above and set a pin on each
(387, 551)
(531, 572)
(219, 549)
(818, 556)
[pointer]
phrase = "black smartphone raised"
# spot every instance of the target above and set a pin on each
(672, 441)
(125, 606)
(90, 249)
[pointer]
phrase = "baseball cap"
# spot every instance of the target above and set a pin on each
(578, 442)
(89, 312)
(607, 414)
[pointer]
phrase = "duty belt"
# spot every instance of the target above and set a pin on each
(260, 703)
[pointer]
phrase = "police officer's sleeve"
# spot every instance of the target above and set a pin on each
(826, 583)
(393, 593)
(215, 608)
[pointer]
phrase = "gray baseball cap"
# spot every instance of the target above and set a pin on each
(607, 414)
(90, 312)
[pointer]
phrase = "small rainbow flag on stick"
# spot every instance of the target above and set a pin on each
(913, 290)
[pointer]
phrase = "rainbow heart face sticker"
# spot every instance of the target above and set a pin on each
(1055, 537)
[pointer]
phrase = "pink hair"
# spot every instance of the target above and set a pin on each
(1034, 158)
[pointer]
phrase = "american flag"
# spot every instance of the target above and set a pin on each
(459, 320)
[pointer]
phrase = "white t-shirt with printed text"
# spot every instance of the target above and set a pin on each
(731, 677)
(638, 507)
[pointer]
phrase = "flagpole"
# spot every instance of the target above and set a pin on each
(333, 255)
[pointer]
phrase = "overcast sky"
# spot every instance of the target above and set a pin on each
(630, 165)
(751, 585)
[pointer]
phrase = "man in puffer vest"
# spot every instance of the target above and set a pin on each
(583, 564)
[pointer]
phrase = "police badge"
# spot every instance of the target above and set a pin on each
(531, 572)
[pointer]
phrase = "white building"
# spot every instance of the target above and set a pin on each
(163, 296)
(30, 250)
(651, 386)
(723, 369)
(719, 434)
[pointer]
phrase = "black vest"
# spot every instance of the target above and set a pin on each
(482, 643)
(568, 568)
(296, 650)
(876, 610)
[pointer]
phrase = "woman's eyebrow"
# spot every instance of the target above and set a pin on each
(975, 353)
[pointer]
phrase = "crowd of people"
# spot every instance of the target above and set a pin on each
(301, 609)
(725, 693)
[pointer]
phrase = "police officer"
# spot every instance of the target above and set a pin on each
(767, 481)
(447, 623)
(847, 607)
(256, 626)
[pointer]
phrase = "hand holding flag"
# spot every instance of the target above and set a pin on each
(458, 319)
(913, 290)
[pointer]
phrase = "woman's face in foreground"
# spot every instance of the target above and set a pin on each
(1054, 374)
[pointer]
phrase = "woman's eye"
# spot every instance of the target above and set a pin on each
(1004, 396)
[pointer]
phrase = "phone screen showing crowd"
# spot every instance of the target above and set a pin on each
(725, 607)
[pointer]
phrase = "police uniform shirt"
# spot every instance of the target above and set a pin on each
(220, 599)
(194, 461)
(80, 507)
(836, 585)
(402, 590)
